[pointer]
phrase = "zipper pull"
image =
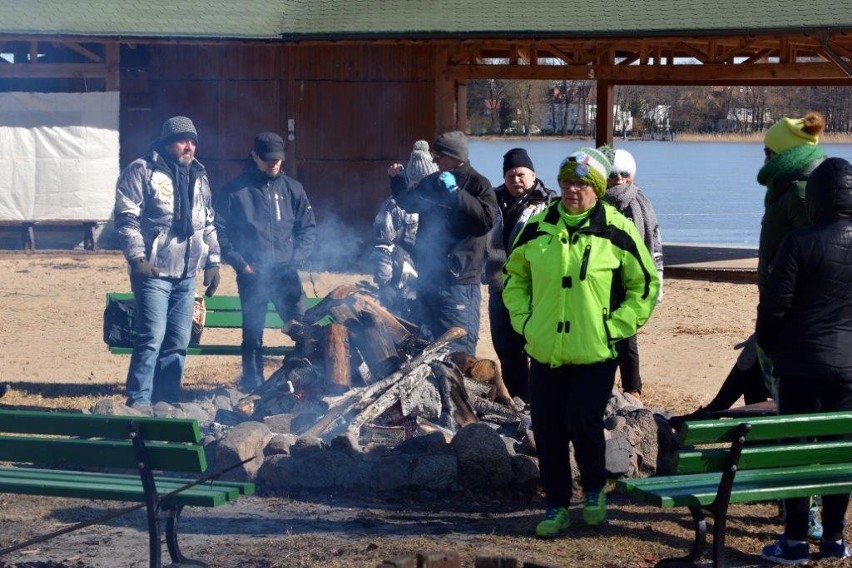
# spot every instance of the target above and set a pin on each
(277, 206)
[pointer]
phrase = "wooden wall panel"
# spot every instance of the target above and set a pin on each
(187, 62)
(346, 192)
(199, 100)
(361, 121)
(252, 62)
(368, 62)
(245, 108)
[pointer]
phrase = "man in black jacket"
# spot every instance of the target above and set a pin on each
(266, 231)
(521, 196)
(457, 208)
(804, 323)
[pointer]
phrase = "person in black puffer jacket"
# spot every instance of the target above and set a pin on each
(266, 231)
(457, 208)
(804, 323)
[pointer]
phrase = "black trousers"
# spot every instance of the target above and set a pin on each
(800, 396)
(278, 283)
(509, 346)
(567, 405)
(628, 364)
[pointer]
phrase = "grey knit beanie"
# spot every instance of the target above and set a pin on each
(453, 145)
(178, 128)
(420, 164)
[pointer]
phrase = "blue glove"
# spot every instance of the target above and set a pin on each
(448, 182)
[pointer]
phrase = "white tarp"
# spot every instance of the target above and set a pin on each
(58, 156)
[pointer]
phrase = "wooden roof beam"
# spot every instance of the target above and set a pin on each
(76, 47)
(53, 71)
(561, 55)
(835, 58)
(728, 55)
(693, 52)
(768, 74)
(758, 56)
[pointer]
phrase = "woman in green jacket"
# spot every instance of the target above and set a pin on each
(578, 280)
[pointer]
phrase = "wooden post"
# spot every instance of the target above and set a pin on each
(603, 121)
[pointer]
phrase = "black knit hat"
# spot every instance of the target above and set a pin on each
(516, 158)
(452, 145)
(177, 128)
(268, 146)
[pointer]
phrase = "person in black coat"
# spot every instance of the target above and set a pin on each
(804, 323)
(457, 208)
(266, 231)
(521, 196)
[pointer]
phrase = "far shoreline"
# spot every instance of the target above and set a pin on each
(753, 137)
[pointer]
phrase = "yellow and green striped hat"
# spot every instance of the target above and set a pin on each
(587, 165)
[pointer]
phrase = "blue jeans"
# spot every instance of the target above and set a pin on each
(163, 328)
(453, 305)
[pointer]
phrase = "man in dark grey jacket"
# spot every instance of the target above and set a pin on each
(164, 223)
(267, 231)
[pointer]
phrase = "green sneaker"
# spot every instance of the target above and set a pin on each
(594, 507)
(555, 521)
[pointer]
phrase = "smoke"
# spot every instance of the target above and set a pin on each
(340, 247)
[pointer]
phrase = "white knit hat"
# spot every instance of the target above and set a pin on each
(624, 162)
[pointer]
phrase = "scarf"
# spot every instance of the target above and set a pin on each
(787, 167)
(632, 204)
(183, 204)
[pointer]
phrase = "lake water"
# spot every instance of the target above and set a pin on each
(703, 192)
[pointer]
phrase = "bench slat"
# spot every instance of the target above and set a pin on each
(749, 486)
(214, 349)
(767, 428)
(101, 453)
(98, 426)
(164, 484)
(769, 456)
(115, 492)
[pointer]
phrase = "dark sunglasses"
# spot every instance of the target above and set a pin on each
(623, 174)
(436, 155)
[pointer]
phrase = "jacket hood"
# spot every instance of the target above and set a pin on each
(829, 191)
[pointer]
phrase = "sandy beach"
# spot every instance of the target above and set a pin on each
(52, 356)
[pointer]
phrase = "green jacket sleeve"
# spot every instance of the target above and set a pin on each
(517, 288)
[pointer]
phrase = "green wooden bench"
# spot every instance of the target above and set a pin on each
(746, 460)
(222, 312)
(47, 450)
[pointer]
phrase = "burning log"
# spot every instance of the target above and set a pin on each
(337, 366)
(484, 371)
(363, 398)
(390, 396)
(454, 395)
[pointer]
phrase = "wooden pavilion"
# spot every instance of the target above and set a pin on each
(352, 83)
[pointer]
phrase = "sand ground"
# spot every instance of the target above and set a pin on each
(52, 355)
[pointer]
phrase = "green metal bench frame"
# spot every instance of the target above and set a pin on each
(222, 312)
(745, 460)
(55, 445)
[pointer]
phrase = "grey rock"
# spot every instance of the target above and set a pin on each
(241, 442)
(434, 471)
(279, 444)
(484, 463)
(279, 423)
(618, 451)
(526, 471)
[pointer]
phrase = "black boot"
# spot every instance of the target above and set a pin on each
(252, 374)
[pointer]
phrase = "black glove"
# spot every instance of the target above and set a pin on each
(211, 279)
(141, 267)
